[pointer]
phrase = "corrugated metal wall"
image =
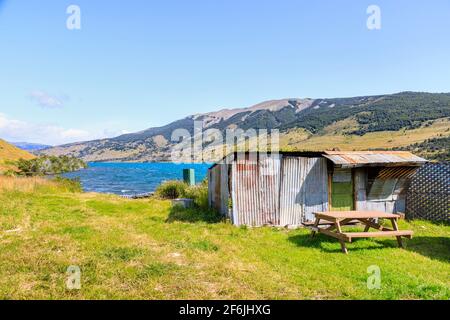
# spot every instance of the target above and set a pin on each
(377, 199)
(269, 183)
(213, 183)
(285, 190)
(304, 189)
(360, 183)
(255, 191)
(278, 191)
(218, 193)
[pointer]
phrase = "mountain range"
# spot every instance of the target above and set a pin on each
(28, 146)
(416, 121)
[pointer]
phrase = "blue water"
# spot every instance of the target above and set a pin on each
(132, 178)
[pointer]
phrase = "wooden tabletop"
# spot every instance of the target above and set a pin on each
(332, 215)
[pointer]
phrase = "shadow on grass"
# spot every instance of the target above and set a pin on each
(322, 242)
(193, 215)
(432, 247)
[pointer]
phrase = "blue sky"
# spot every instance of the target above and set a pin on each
(137, 64)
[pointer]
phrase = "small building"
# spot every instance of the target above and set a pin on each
(286, 188)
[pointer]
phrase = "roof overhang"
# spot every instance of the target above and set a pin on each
(353, 159)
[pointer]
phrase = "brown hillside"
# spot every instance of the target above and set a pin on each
(9, 153)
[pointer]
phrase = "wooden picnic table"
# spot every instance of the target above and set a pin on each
(335, 220)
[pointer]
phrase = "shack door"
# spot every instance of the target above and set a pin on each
(303, 189)
(342, 190)
(255, 191)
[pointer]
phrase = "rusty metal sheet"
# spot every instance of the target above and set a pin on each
(349, 159)
(269, 183)
(244, 193)
(255, 191)
(304, 189)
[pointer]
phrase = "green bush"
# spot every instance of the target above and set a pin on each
(71, 185)
(10, 173)
(47, 165)
(199, 193)
(171, 189)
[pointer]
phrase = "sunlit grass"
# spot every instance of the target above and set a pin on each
(142, 249)
(23, 184)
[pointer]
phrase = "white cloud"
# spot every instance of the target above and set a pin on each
(17, 130)
(46, 100)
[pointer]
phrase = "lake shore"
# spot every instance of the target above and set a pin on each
(123, 178)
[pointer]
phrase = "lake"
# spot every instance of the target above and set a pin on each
(132, 178)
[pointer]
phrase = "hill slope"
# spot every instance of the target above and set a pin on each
(9, 153)
(27, 146)
(352, 123)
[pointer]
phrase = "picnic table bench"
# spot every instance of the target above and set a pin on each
(333, 221)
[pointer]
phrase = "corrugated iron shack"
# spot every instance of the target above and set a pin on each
(286, 188)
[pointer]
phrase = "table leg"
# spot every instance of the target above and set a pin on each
(367, 227)
(343, 247)
(395, 227)
(342, 242)
(316, 225)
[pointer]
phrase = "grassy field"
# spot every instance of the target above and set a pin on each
(143, 249)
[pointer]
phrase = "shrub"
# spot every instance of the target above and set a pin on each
(199, 193)
(71, 185)
(171, 189)
(47, 165)
(10, 173)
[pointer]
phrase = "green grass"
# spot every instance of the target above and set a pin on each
(142, 249)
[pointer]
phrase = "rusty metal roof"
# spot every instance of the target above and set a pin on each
(350, 159)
